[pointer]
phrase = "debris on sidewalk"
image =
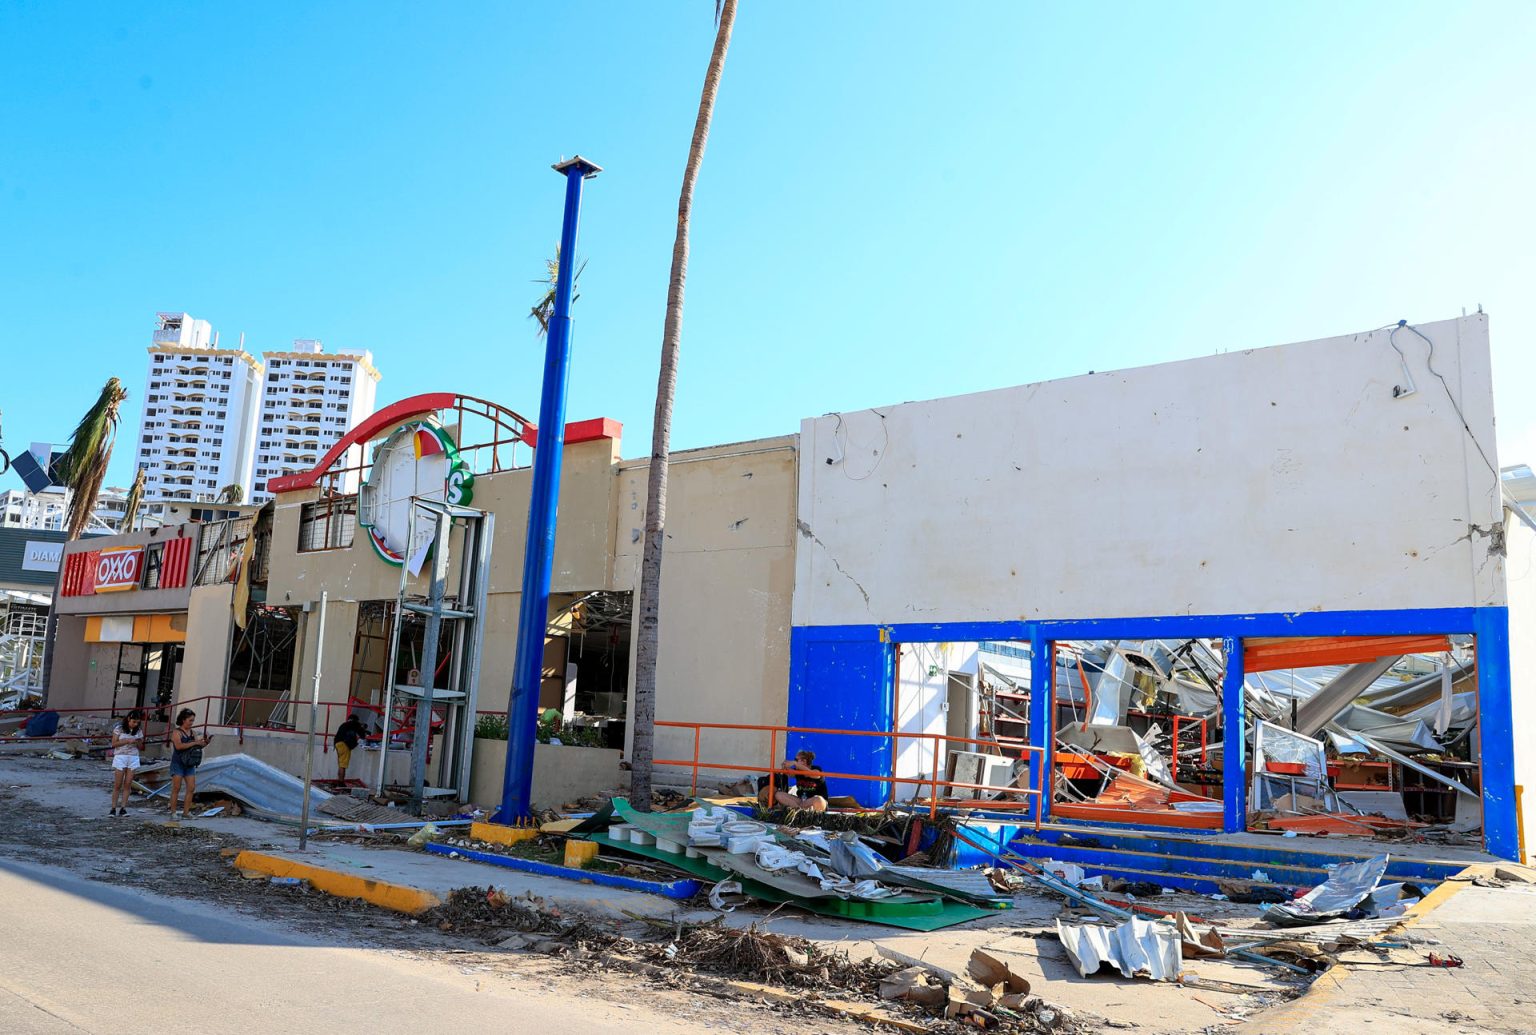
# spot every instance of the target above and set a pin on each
(1137, 948)
(1349, 885)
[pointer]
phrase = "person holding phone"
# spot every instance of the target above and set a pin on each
(127, 738)
(186, 756)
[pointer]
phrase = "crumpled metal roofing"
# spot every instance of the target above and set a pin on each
(264, 790)
(1138, 948)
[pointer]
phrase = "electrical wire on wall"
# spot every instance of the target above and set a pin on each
(1399, 392)
(841, 441)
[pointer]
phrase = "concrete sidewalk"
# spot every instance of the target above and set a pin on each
(1493, 930)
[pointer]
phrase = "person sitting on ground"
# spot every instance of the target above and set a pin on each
(44, 724)
(348, 735)
(186, 756)
(127, 737)
(810, 791)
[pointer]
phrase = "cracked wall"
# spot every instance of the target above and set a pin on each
(1290, 478)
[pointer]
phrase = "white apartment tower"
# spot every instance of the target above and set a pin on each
(200, 406)
(310, 400)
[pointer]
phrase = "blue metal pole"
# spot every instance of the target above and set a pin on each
(1234, 742)
(539, 556)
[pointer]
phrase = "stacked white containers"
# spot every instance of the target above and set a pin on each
(198, 412)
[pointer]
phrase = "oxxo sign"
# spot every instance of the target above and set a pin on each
(118, 568)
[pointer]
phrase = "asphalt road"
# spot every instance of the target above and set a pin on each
(79, 956)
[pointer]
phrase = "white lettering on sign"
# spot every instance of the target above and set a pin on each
(118, 569)
(41, 556)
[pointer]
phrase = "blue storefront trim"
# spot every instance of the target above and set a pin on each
(841, 677)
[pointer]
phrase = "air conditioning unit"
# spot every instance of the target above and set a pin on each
(973, 767)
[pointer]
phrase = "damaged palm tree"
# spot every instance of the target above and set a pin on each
(132, 504)
(644, 750)
(82, 469)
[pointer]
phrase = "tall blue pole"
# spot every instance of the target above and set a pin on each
(539, 556)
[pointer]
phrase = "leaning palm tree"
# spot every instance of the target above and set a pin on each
(83, 467)
(131, 505)
(232, 494)
(661, 433)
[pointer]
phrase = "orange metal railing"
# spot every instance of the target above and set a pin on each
(1008, 797)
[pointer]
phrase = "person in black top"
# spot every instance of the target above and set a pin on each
(348, 735)
(810, 790)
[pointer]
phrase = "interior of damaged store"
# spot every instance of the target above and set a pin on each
(1365, 736)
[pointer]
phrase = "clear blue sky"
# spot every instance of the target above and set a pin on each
(899, 201)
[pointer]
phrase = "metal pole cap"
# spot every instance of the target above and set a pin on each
(588, 169)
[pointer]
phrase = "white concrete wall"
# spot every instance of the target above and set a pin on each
(1522, 663)
(1278, 479)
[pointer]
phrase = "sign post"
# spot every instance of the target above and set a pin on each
(314, 718)
(539, 556)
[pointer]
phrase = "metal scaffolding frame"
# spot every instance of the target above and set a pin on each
(465, 637)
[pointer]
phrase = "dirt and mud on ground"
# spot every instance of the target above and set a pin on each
(53, 812)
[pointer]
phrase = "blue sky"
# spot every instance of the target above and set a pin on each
(898, 202)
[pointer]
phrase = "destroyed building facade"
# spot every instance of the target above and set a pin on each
(1104, 573)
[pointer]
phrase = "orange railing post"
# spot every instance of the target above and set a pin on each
(773, 772)
(696, 732)
(933, 798)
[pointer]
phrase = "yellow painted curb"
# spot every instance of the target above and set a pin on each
(497, 834)
(399, 897)
(1319, 996)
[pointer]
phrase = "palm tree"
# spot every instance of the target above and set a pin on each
(544, 309)
(232, 494)
(83, 467)
(132, 503)
(661, 432)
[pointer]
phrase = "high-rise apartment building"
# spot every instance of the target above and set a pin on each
(215, 417)
(49, 510)
(309, 400)
(200, 409)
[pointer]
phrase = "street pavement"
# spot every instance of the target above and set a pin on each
(79, 956)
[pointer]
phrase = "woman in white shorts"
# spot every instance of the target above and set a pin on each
(127, 738)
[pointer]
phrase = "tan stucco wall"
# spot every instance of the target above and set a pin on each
(209, 625)
(727, 579)
(83, 673)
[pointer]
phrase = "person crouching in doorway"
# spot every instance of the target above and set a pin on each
(127, 738)
(186, 756)
(348, 735)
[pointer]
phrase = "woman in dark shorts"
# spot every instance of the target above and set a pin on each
(186, 756)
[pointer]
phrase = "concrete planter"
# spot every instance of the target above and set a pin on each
(560, 774)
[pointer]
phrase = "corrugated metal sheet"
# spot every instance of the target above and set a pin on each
(265, 790)
(1138, 948)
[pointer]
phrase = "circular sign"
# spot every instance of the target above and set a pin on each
(418, 461)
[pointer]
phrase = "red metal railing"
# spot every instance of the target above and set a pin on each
(1010, 797)
(215, 714)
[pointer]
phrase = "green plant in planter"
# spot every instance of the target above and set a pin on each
(491, 727)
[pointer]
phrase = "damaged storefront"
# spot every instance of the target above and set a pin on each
(1274, 606)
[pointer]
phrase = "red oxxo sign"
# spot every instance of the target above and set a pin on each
(119, 568)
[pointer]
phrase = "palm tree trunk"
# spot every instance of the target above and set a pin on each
(644, 747)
